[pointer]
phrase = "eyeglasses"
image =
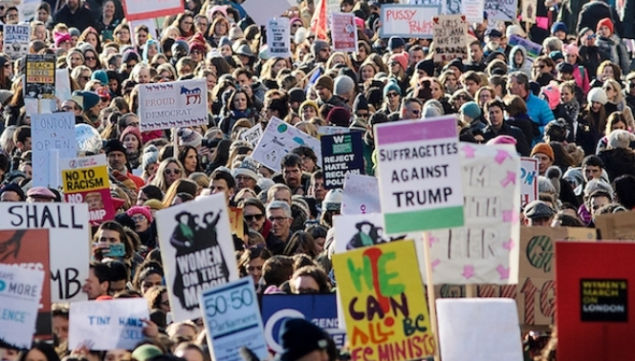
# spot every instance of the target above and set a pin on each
(392, 94)
(251, 217)
(415, 112)
(172, 171)
(84, 78)
(138, 218)
(90, 58)
(296, 25)
(277, 219)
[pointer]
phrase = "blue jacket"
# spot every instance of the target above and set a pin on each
(540, 113)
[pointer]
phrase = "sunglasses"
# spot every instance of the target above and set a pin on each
(251, 217)
(391, 95)
(172, 171)
(90, 58)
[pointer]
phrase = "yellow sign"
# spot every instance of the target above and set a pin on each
(384, 304)
(84, 179)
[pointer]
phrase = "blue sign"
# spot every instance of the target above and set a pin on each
(341, 154)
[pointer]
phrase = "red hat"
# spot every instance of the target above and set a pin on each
(144, 210)
(131, 130)
(605, 22)
(401, 58)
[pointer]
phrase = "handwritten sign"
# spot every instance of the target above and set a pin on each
(147, 9)
(528, 180)
(279, 37)
(319, 309)
(252, 135)
(106, 325)
(533, 49)
(408, 21)
(279, 139)
(360, 195)
(500, 9)
(174, 104)
(383, 302)
(341, 155)
(485, 250)
(29, 248)
(419, 174)
(197, 251)
(68, 234)
(85, 180)
(617, 226)
(16, 40)
(450, 37)
(232, 320)
(53, 137)
(344, 32)
(20, 292)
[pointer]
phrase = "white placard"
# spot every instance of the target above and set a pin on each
(50, 132)
(62, 85)
(344, 32)
(500, 10)
(147, 9)
(174, 104)
(279, 37)
(16, 40)
(360, 195)
(261, 14)
(408, 21)
(252, 135)
(364, 230)
(528, 178)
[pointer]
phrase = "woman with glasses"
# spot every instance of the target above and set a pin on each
(218, 29)
(184, 22)
(392, 98)
(122, 35)
(91, 59)
(614, 97)
(168, 172)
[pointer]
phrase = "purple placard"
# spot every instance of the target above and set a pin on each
(416, 130)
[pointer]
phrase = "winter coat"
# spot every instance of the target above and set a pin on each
(618, 161)
(525, 67)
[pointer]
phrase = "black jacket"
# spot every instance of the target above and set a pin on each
(81, 19)
(522, 147)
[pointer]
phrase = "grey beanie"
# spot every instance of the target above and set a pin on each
(343, 85)
(150, 156)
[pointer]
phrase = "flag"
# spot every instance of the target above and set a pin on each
(318, 21)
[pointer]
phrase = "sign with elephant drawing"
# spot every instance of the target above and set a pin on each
(172, 104)
(197, 250)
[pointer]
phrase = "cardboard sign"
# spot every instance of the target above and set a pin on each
(85, 180)
(197, 251)
(408, 21)
(595, 303)
(279, 139)
(252, 135)
(52, 137)
(344, 32)
(485, 329)
(534, 50)
(232, 320)
(147, 9)
(69, 233)
(500, 9)
(528, 10)
(279, 37)
(321, 309)
(528, 180)
(20, 292)
(16, 40)
(341, 155)
(383, 302)
(40, 76)
(261, 14)
(106, 325)
(174, 104)
(419, 174)
(29, 248)
(485, 249)
(617, 226)
(450, 37)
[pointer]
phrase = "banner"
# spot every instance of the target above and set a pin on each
(484, 329)
(360, 195)
(617, 226)
(252, 135)
(450, 37)
(232, 320)
(16, 40)
(534, 50)
(419, 174)
(278, 139)
(407, 21)
(504, 10)
(69, 233)
(197, 251)
(341, 155)
(174, 104)
(383, 302)
(344, 32)
(20, 292)
(52, 137)
(147, 9)
(321, 309)
(107, 324)
(528, 181)
(40, 76)
(595, 301)
(85, 180)
(485, 250)
(279, 37)
(29, 248)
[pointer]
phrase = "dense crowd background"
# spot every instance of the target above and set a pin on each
(570, 107)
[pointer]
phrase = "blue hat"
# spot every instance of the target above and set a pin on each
(395, 42)
(88, 99)
(391, 86)
(559, 26)
(100, 75)
(471, 109)
(494, 33)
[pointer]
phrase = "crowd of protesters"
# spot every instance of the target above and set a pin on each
(571, 108)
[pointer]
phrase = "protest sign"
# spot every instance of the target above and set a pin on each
(27, 10)
(528, 180)
(484, 329)
(450, 37)
(261, 14)
(29, 248)
(485, 250)
(147, 9)
(197, 251)
(360, 195)
(252, 135)
(534, 50)
(617, 226)
(52, 138)
(528, 10)
(595, 301)
(62, 85)
(85, 180)
(330, 130)
(504, 10)
(472, 9)
(69, 233)
(321, 309)
(40, 76)
(383, 302)
(20, 292)
(279, 37)
(107, 324)
(174, 104)
(408, 21)
(363, 230)
(232, 320)
(16, 40)
(419, 174)
(341, 155)
(278, 139)
(344, 32)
